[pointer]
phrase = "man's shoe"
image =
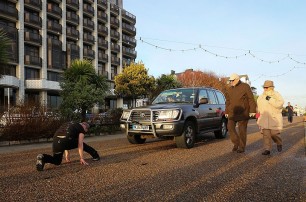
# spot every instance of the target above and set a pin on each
(96, 157)
(266, 152)
(235, 148)
(40, 162)
(279, 148)
(240, 150)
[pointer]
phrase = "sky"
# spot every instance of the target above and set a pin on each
(265, 39)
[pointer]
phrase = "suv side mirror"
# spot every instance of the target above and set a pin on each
(203, 101)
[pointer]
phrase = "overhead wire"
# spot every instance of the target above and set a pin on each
(200, 46)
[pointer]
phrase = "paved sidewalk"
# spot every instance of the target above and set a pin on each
(25, 147)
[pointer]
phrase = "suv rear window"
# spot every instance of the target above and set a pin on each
(220, 97)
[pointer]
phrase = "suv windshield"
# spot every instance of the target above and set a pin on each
(175, 96)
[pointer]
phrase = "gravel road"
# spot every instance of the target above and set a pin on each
(158, 171)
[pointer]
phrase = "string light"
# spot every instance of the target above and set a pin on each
(199, 46)
(278, 75)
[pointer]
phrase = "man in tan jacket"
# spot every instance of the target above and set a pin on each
(240, 106)
(270, 121)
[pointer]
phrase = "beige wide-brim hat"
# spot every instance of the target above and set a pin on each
(268, 84)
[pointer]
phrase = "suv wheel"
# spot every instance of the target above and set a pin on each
(223, 130)
(136, 139)
(187, 139)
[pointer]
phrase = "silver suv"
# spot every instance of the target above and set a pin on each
(181, 113)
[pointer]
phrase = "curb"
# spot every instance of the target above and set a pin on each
(38, 145)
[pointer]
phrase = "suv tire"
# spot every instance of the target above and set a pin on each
(136, 139)
(187, 139)
(220, 134)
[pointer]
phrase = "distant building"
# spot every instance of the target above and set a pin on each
(47, 35)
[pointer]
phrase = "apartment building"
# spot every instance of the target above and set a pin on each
(48, 34)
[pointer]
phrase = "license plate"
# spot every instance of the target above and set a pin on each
(140, 127)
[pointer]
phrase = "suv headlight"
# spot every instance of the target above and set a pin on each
(169, 114)
(125, 115)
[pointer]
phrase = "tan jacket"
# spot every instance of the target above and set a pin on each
(270, 111)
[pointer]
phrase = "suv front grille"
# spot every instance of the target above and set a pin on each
(140, 115)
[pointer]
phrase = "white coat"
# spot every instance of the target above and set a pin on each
(270, 111)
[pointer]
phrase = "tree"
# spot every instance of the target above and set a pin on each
(82, 88)
(198, 78)
(134, 81)
(165, 82)
(4, 46)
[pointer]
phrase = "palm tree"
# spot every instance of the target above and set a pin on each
(4, 45)
(82, 87)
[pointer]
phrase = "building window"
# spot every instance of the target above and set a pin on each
(31, 98)
(54, 101)
(31, 50)
(9, 70)
(31, 74)
(54, 76)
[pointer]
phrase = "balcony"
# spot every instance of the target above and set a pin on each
(102, 16)
(89, 1)
(54, 10)
(32, 38)
(13, 55)
(102, 30)
(129, 28)
(115, 60)
(32, 19)
(129, 17)
(115, 35)
(42, 84)
(11, 32)
(114, 9)
(89, 53)
(88, 10)
(54, 26)
(115, 48)
(129, 52)
(73, 52)
(126, 62)
(11, 81)
(113, 75)
(88, 38)
(72, 18)
(73, 4)
(72, 33)
(130, 41)
(73, 48)
(54, 43)
(32, 60)
(34, 4)
(102, 57)
(102, 4)
(89, 24)
(114, 22)
(103, 73)
(8, 12)
(102, 43)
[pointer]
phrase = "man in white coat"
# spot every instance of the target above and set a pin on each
(270, 121)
